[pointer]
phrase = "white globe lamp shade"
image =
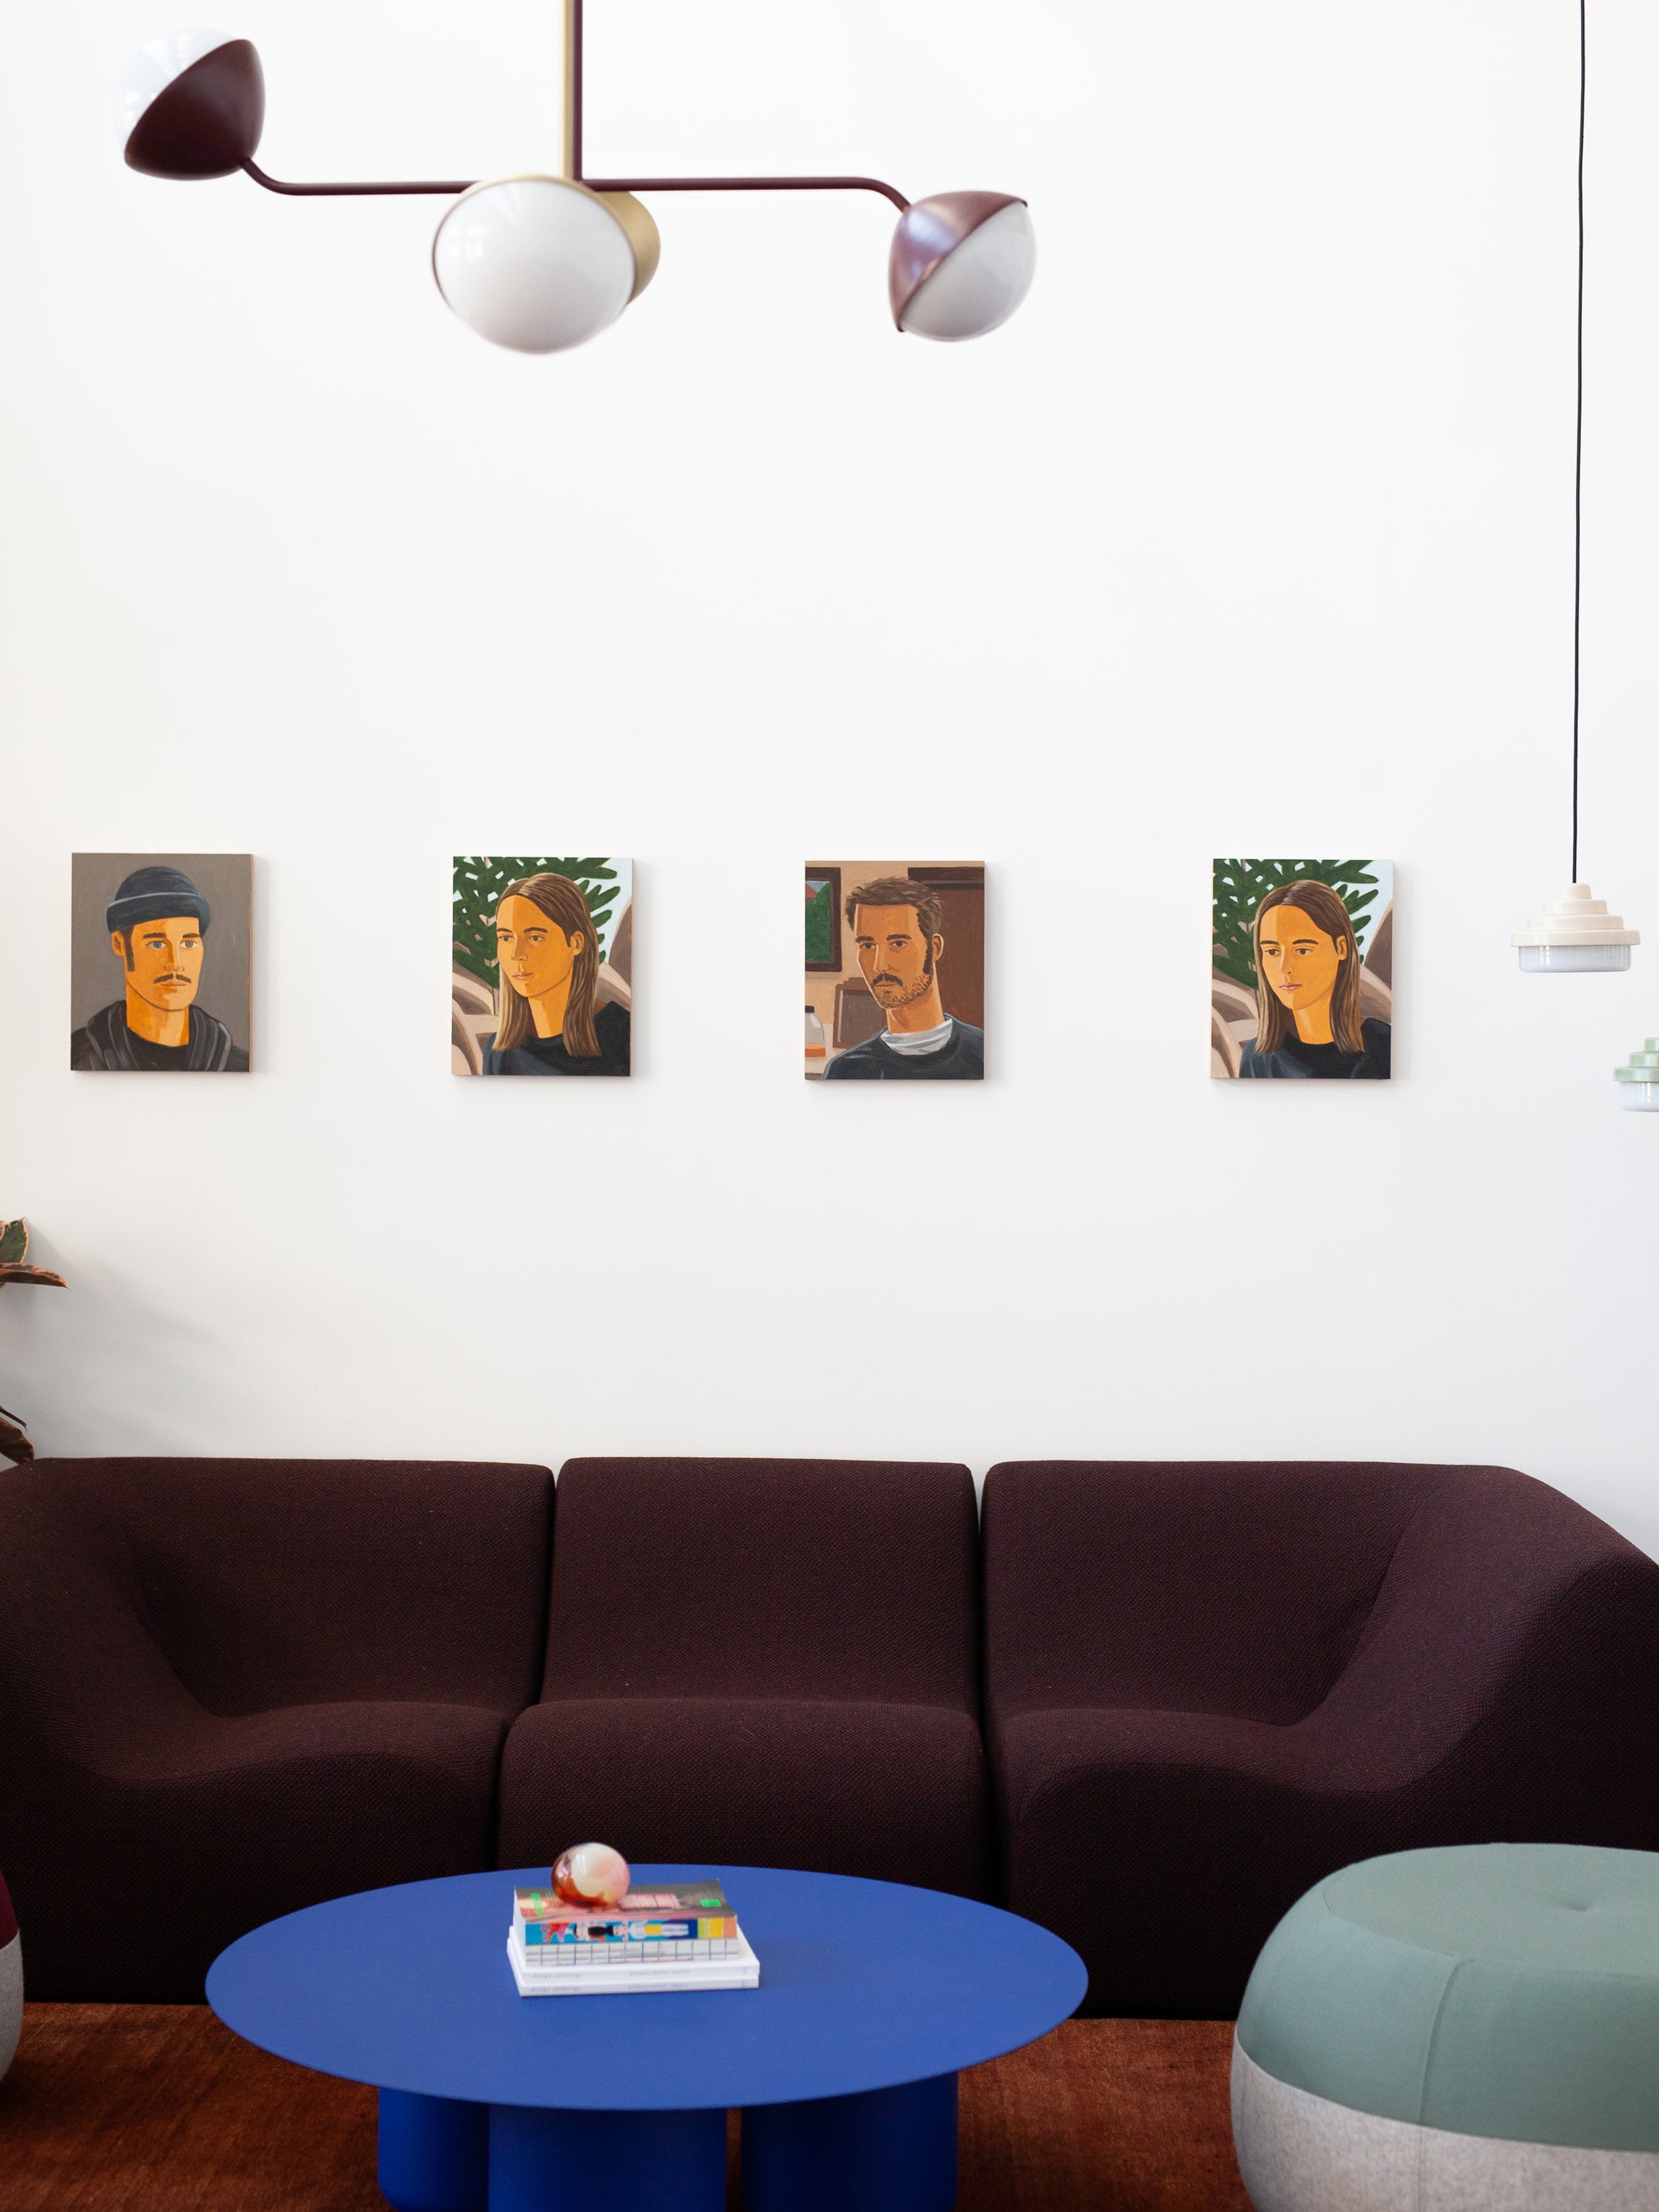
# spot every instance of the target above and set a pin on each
(1575, 935)
(960, 263)
(192, 105)
(541, 263)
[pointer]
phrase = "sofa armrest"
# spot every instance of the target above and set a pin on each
(79, 1667)
(1517, 1636)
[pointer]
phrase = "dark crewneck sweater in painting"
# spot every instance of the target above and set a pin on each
(960, 1058)
(547, 1056)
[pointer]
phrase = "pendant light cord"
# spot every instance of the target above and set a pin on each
(1578, 446)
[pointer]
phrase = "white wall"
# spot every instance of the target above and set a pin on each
(1252, 533)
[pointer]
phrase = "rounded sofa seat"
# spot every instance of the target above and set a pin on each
(1468, 2029)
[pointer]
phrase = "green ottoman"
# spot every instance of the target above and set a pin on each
(1465, 2030)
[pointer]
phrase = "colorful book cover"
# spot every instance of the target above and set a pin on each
(685, 1897)
(622, 1957)
(688, 1911)
(704, 1929)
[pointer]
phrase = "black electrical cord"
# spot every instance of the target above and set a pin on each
(1578, 449)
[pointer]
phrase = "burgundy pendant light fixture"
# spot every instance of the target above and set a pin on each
(1575, 934)
(542, 262)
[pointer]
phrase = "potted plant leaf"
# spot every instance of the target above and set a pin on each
(14, 1268)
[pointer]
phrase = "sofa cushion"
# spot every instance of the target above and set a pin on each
(834, 1786)
(793, 1578)
(1176, 1586)
(184, 1837)
(268, 1582)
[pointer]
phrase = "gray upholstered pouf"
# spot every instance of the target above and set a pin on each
(11, 1998)
(11, 1980)
(1464, 2030)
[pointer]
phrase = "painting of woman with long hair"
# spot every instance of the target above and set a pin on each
(1308, 988)
(549, 1018)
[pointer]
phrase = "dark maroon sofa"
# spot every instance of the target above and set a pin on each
(768, 1663)
(229, 1688)
(1209, 1685)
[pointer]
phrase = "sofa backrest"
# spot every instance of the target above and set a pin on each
(839, 1579)
(270, 1583)
(1234, 1586)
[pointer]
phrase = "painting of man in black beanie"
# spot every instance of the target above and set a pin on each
(157, 919)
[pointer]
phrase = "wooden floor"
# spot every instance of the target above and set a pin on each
(123, 2108)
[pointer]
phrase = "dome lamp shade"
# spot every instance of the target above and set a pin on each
(960, 263)
(192, 105)
(1575, 935)
(539, 264)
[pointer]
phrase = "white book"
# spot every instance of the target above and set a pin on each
(607, 1974)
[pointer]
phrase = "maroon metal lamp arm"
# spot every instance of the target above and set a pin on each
(748, 184)
(340, 192)
(452, 187)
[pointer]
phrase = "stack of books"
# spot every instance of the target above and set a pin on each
(683, 1938)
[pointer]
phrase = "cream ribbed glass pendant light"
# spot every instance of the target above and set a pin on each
(1575, 934)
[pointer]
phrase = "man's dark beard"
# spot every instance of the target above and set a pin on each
(920, 990)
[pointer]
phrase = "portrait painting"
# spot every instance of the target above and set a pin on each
(160, 963)
(1302, 969)
(541, 966)
(894, 971)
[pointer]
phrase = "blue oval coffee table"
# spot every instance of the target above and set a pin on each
(844, 2061)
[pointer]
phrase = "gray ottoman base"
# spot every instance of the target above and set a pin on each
(11, 1999)
(1299, 2153)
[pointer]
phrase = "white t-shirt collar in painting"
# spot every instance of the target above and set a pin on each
(913, 1043)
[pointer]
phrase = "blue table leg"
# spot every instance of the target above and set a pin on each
(434, 2154)
(549, 2161)
(889, 2150)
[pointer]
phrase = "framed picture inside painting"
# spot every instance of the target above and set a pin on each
(823, 919)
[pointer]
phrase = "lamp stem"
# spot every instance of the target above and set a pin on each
(571, 152)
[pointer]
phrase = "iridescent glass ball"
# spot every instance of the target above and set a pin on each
(591, 1874)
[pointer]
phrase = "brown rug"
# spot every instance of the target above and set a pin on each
(157, 2108)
